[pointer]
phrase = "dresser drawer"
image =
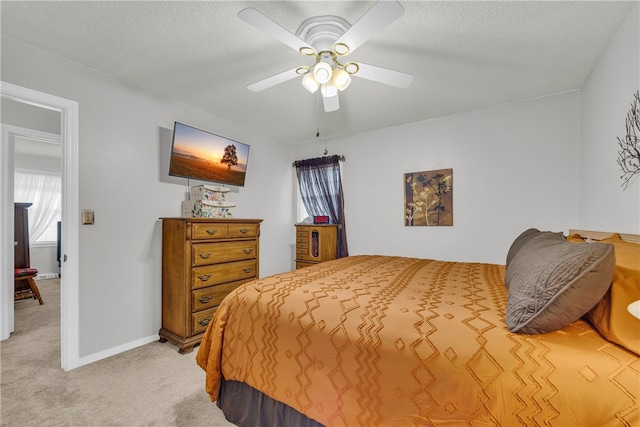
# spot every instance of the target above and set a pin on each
(201, 319)
(223, 273)
(212, 296)
(219, 252)
(209, 231)
(243, 230)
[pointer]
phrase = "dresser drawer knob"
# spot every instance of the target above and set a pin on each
(204, 299)
(248, 250)
(205, 277)
(205, 322)
(212, 231)
(247, 269)
(244, 230)
(205, 255)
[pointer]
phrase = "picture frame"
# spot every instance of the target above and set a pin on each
(428, 198)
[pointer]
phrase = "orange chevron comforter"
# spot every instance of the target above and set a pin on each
(393, 341)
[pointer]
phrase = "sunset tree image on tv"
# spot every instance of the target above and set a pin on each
(201, 155)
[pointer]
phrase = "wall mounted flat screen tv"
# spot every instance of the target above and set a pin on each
(201, 155)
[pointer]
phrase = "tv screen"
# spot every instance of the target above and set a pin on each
(201, 155)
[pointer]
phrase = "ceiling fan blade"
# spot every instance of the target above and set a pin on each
(384, 75)
(381, 14)
(260, 21)
(331, 103)
(273, 80)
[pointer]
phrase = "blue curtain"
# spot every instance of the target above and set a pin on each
(321, 190)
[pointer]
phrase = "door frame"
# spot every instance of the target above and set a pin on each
(69, 283)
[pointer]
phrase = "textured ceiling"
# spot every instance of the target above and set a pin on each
(463, 55)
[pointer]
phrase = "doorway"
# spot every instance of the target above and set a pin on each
(69, 287)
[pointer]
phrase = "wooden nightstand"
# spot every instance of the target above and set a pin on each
(315, 243)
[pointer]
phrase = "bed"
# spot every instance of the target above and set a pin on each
(394, 341)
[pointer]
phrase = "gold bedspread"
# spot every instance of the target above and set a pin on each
(392, 341)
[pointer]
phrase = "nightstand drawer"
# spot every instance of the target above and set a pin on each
(302, 252)
(200, 320)
(215, 253)
(209, 231)
(302, 264)
(222, 273)
(212, 296)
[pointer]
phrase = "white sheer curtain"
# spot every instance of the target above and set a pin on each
(44, 190)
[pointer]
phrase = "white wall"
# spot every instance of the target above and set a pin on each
(606, 99)
(29, 116)
(121, 149)
(43, 257)
(514, 166)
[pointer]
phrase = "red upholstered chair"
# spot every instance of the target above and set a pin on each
(25, 284)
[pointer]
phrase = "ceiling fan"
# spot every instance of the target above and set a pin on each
(328, 39)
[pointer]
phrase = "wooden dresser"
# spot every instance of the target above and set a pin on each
(315, 243)
(202, 261)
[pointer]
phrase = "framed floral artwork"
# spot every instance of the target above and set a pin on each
(428, 198)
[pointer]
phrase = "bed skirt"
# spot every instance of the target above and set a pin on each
(257, 409)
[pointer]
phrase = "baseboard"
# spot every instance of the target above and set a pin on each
(42, 276)
(117, 350)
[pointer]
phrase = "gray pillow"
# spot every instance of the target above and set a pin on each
(520, 241)
(553, 282)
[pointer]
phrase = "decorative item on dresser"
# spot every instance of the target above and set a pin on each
(315, 243)
(203, 259)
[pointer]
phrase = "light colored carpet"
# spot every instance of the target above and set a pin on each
(152, 385)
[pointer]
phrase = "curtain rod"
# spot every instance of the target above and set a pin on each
(340, 158)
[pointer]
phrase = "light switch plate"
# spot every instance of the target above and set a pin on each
(87, 216)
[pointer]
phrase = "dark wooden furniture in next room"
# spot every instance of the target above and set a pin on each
(24, 283)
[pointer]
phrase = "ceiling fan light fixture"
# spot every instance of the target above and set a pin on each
(326, 39)
(341, 79)
(341, 49)
(308, 51)
(310, 83)
(302, 70)
(351, 67)
(328, 90)
(322, 72)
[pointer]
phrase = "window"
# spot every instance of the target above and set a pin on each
(321, 191)
(44, 190)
